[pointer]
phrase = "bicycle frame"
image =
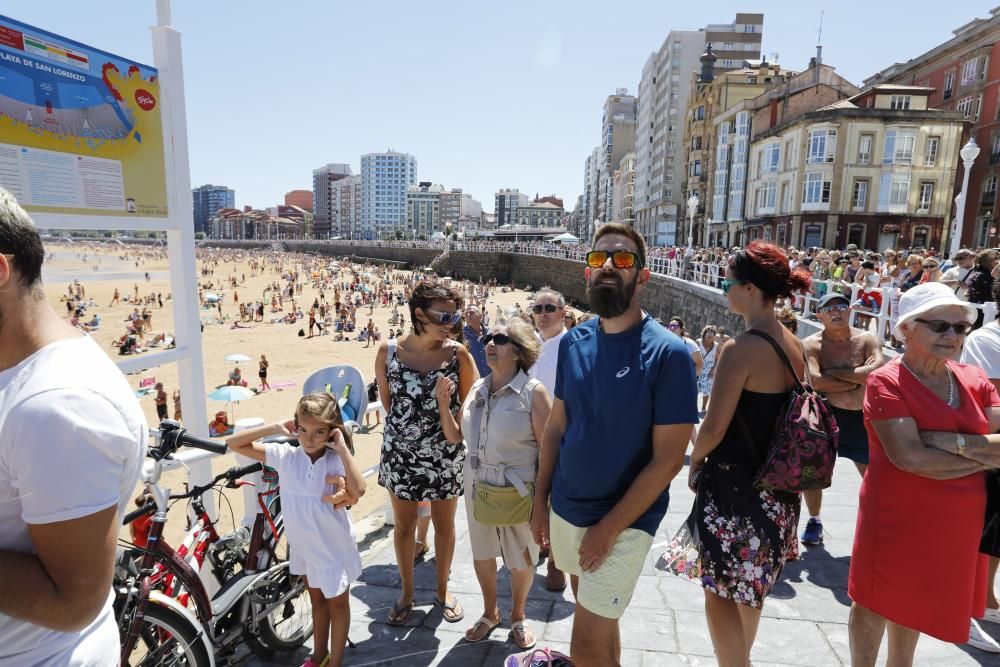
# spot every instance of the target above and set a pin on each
(162, 565)
(196, 543)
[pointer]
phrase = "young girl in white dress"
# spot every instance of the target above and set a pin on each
(319, 479)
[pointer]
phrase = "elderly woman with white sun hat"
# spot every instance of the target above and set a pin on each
(916, 566)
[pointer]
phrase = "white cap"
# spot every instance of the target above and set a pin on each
(925, 298)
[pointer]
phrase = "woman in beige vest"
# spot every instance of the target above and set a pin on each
(502, 423)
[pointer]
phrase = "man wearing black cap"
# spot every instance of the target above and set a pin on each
(840, 357)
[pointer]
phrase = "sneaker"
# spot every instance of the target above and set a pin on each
(813, 534)
(981, 640)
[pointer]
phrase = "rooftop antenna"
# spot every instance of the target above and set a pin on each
(819, 48)
(819, 39)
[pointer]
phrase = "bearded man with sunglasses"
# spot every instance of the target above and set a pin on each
(840, 357)
(625, 403)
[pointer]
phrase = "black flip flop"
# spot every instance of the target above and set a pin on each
(399, 615)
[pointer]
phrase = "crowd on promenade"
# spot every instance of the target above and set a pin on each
(511, 414)
(510, 410)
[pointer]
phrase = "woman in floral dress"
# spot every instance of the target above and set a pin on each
(737, 537)
(423, 377)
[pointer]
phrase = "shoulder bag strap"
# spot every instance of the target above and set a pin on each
(784, 357)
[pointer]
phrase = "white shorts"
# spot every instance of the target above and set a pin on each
(607, 591)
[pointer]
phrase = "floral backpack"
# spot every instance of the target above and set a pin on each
(804, 446)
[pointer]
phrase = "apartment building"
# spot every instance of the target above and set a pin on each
(345, 207)
(965, 77)
(624, 191)
(506, 201)
(708, 153)
(875, 170)
(423, 210)
(617, 139)
(207, 200)
(385, 179)
(324, 179)
(786, 96)
(664, 93)
(540, 215)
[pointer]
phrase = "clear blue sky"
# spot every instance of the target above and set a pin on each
(485, 95)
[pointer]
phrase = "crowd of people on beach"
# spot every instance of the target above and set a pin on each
(510, 410)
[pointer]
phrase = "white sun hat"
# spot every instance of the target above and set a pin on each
(925, 298)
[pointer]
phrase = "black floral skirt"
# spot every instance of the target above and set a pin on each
(737, 537)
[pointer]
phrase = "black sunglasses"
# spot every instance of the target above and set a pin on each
(940, 326)
(538, 308)
(498, 339)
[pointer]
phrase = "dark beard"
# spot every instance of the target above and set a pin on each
(610, 301)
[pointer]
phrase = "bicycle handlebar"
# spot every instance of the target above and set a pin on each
(173, 436)
(232, 474)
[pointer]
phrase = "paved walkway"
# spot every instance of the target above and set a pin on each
(805, 619)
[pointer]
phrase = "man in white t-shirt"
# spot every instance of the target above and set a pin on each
(965, 261)
(72, 441)
(548, 313)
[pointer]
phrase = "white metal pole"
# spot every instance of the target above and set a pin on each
(180, 239)
(956, 237)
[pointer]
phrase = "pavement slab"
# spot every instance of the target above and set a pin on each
(804, 621)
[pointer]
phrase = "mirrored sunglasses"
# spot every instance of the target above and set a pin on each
(441, 317)
(727, 284)
(622, 259)
(539, 308)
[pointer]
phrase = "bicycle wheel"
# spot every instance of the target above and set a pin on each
(167, 639)
(287, 622)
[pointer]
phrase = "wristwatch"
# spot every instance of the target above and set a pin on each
(960, 443)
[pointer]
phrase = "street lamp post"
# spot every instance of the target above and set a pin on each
(969, 154)
(692, 204)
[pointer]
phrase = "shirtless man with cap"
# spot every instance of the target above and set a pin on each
(840, 357)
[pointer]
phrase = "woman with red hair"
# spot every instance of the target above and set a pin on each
(737, 537)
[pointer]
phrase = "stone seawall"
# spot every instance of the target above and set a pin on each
(665, 297)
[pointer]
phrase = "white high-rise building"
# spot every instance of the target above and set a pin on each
(660, 168)
(385, 178)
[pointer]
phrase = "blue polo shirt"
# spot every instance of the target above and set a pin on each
(615, 388)
(476, 348)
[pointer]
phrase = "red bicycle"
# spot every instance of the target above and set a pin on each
(166, 615)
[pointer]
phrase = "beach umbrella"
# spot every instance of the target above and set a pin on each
(212, 297)
(231, 394)
(237, 358)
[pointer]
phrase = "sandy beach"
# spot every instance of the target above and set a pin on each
(101, 268)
